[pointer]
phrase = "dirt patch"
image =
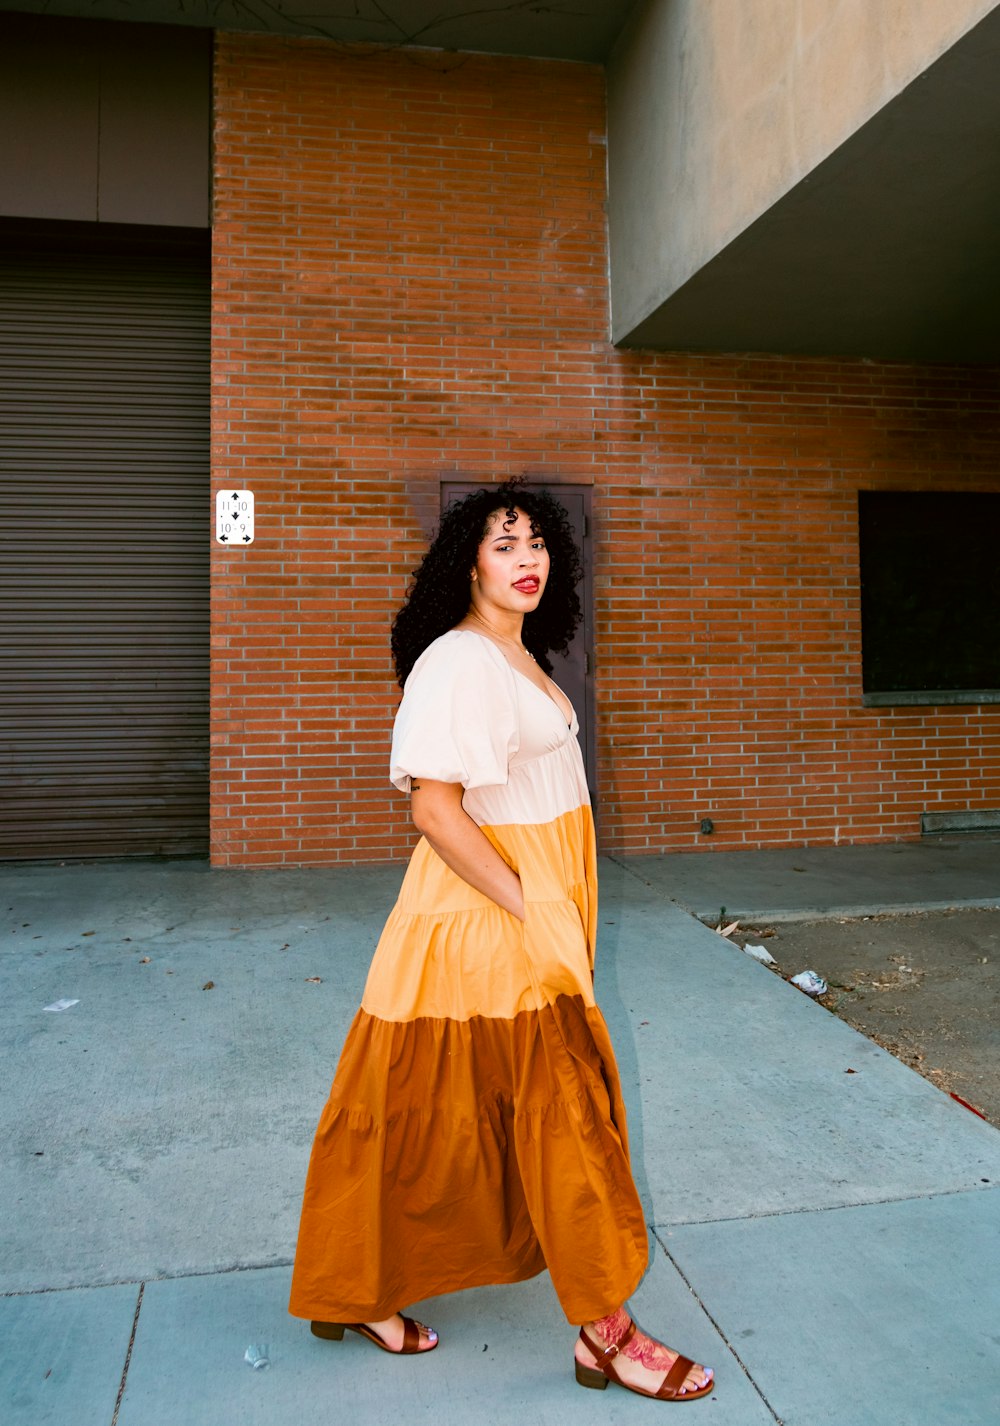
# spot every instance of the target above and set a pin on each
(925, 986)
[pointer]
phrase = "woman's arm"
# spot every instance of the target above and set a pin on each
(438, 813)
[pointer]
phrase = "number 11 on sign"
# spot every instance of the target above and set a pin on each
(234, 517)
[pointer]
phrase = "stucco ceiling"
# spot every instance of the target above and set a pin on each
(553, 29)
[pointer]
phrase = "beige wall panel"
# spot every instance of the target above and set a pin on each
(718, 107)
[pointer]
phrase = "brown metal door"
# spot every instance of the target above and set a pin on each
(573, 671)
(104, 475)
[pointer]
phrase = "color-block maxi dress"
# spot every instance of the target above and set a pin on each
(475, 1131)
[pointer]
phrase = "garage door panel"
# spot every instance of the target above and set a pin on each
(104, 386)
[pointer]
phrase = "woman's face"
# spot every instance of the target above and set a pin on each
(511, 567)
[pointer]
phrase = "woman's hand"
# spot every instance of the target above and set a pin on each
(462, 845)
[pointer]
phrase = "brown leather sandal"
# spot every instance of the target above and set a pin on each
(670, 1388)
(334, 1332)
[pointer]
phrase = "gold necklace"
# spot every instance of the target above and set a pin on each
(505, 638)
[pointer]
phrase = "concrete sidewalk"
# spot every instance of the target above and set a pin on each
(826, 1240)
(934, 874)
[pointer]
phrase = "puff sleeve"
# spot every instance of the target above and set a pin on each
(458, 718)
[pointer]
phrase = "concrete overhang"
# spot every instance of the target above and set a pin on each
(584, 30)
(888, 249)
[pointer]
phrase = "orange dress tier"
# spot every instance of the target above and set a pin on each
(475, 1132)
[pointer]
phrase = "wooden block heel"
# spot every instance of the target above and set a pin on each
(334, 1332)
(671, 1388)
(590, 1376)
(331, 1331)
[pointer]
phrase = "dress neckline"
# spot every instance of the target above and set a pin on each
(529, 681)
(547, 696)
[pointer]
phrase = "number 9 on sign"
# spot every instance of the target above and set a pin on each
(234, 517)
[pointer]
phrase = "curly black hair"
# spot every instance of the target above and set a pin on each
(439, 595)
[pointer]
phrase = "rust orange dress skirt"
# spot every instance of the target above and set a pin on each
(475, 1131)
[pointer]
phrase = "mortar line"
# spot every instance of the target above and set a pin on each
(128, 1354)
(718, 1328)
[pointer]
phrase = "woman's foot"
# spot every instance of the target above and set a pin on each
(642, 1363)
(401, 1336)
(391, 1332)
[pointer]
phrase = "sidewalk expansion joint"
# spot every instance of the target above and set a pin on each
(151, 1277)
(986, 1186)
(128, 1354)
(718, 1328)
(629, 871)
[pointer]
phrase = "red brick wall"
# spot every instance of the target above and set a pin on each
(410, 285)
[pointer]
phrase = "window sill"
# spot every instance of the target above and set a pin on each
(923, 697)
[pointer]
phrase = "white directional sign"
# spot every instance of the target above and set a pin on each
(234, 517)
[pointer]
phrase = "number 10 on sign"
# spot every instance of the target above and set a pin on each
(234, 517)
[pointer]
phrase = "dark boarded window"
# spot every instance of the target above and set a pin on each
(930, 596)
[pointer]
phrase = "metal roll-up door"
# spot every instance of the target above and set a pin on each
(104, 474)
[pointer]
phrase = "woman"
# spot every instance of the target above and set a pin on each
(475, 1132)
